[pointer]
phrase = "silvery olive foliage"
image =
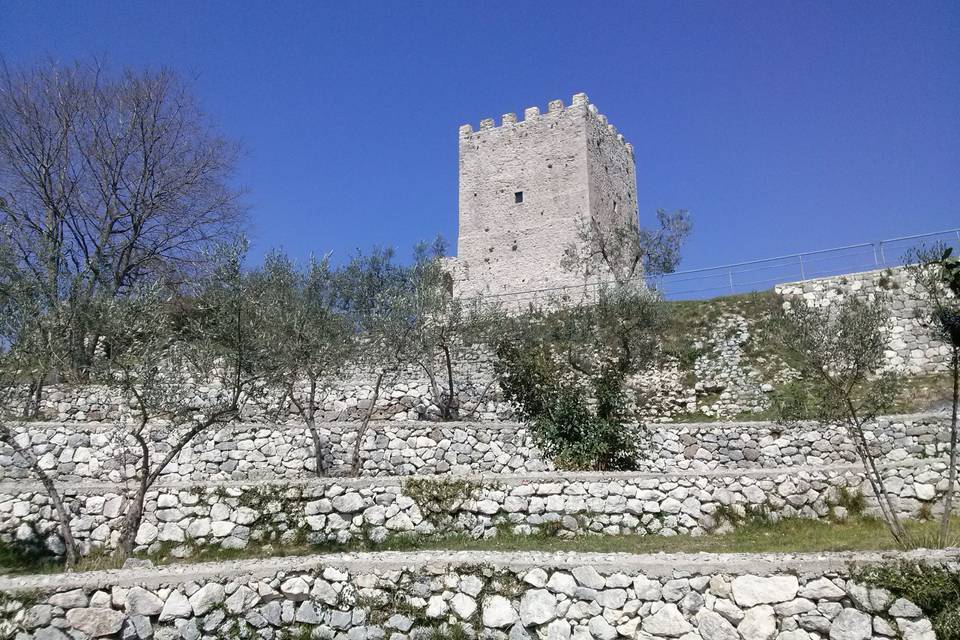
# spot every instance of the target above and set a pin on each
(936, 271)
(158, 341)
(564, 365)
(839, 350)
(310, 334)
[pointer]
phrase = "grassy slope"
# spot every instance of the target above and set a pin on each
(752, 536)
(689, 318)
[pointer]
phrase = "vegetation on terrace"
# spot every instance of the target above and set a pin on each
(753, 535)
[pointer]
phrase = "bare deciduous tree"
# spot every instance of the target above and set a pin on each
(107, 180)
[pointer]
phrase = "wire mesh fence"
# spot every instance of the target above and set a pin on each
(757, 275)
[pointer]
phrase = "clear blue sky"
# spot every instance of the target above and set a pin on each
(782, 126)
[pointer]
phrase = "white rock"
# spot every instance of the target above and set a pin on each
(471, 585)
(903, 608)
(668, 621)
(646, 589)
(176, 606)
(463, 605)
(206, 598)
(749, 591)
(498, 612)
(561, 582)
(759, 623)
(348, 502)
(139, 601)
(536, 577)
(295, 588)
(822, 589)
(728, 610)
(852, 624)
(69, 599)
(612, 598)
(146, 534)
(601, 629)
(537, 606)
(913, 629)
(240, 600)
(558, 630)
(436, 607)
(713, 626)
(588, 577)
(323, 591)
(96, 622)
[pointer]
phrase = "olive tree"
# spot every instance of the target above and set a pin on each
(443, 327)
(936, 271)
(839, 350)
(375, 292)
(29, 345)
(158, 345)
(108, 180)
(309, 334)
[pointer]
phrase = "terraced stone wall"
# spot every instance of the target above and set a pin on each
(491, 596)
(82, 452)
(182, 517)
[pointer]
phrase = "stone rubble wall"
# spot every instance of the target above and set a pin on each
(73, 452)
(493, 596)
(731, 374)
(182, 517)
(912, 347)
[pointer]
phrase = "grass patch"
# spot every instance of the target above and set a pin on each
(689, 318)
(924, 393)
(752, 535)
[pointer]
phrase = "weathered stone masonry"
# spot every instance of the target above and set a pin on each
(83, 451)
(527, 190)
(912, 348)
(184, 516)
(401, 596)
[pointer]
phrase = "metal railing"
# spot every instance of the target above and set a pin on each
(756, 275)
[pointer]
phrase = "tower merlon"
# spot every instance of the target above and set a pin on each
(579, 104)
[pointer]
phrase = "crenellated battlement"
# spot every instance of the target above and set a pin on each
(528, 186)
(579, 104)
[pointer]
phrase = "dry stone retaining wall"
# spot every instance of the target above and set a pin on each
(493, 596)
(727, 377)
(234, 515)
(912, 348)
(72, 452)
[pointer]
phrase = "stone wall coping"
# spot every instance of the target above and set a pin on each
(505, 479)
(856, 275)
(438, 562)
(491, 426)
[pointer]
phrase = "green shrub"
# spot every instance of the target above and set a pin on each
(933, 588)
(580, 423)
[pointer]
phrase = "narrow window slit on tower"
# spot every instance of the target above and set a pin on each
(518, 197)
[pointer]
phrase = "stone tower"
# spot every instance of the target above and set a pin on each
(527, 188)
